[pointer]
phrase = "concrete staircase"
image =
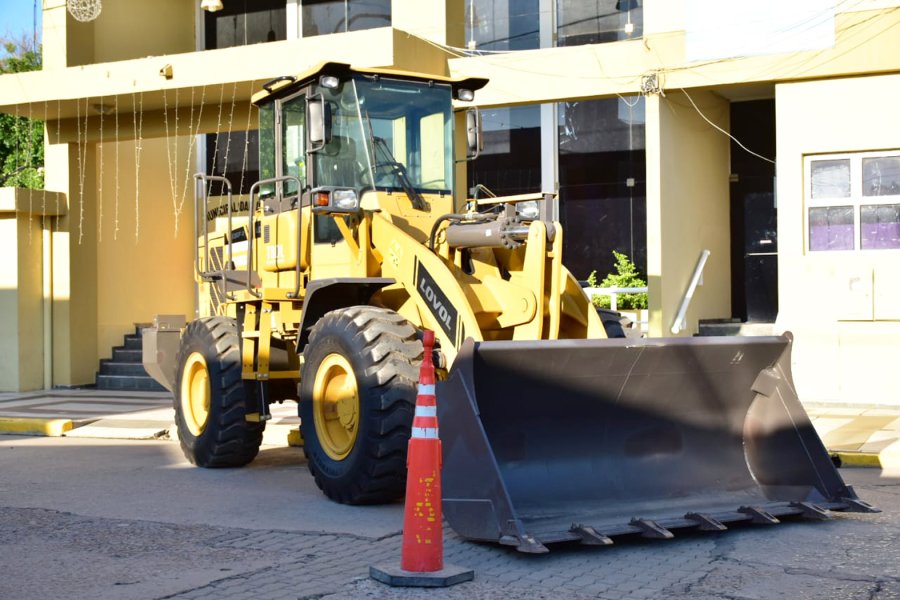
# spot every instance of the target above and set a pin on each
(124, 370)
(711, 327)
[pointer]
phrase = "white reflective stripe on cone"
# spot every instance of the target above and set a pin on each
(428, 433)
(426, 411)
(426, 389)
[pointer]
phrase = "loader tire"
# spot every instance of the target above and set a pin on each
(357, 398)
(211, 399)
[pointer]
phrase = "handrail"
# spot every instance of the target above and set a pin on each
(202, 179)
(681, 318)
(613, 293)
(251, 232)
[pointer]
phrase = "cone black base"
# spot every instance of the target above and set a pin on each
(397, 577)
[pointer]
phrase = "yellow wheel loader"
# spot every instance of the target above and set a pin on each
(357, 238)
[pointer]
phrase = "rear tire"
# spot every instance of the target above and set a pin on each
(211, 399)
(357, 397)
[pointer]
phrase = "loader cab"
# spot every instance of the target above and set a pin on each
(358, 140)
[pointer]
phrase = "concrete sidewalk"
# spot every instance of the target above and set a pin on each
(90, 413)
(856, 435)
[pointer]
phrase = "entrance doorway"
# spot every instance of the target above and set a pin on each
(754, 231)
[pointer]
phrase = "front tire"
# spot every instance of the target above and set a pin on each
(211, 399)
(357, 397)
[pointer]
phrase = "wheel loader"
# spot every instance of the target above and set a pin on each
(358, 237)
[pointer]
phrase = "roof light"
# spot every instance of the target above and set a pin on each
(211, 5)
(465, 95)
(329, 82)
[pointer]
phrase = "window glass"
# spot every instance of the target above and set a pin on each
(602, 183)
(831, 228)
(880, 227)
(881, 176)
(501, 25)
(510, 162)
(235, 155)
(435, 173)
(830, 178)
(596, 21)
(321, 17)
(407, 126)
(266, 146)
(243, 22)
(294, 142)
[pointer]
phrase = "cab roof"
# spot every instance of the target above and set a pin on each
(286, 85)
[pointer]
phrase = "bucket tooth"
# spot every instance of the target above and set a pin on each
(758, 515)
(705, 522)
(652, 529)
(527, 544)
(857, 505)
(854, 504)
(811, 511)
(590, 536)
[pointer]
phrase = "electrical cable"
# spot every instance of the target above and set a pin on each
(734, 139)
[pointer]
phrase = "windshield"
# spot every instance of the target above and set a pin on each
(389, 134)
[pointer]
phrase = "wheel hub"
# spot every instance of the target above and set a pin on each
(195, 393)
(336, 406)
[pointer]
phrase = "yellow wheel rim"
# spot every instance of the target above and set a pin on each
(195, 394)
(336, 406)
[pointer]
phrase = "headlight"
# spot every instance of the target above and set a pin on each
(528, 210)
(326, 200)
(344, 200)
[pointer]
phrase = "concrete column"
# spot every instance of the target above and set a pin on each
(441, 21)
(688, 164)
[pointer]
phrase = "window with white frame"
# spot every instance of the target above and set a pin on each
(853, 201)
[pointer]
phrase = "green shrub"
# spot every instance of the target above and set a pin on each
(626, 276)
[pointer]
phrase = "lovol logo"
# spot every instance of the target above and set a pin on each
(436, 300)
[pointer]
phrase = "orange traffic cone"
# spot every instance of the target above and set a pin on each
(422, 554)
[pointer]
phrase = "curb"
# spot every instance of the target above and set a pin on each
(48, 427)
(858, 459)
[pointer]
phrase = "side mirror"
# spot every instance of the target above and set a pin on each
(474, 139)
(319, 119)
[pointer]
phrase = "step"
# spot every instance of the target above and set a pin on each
(127, 382)
(733, 327)
(122, 354)
(110, 367)
(134, 342)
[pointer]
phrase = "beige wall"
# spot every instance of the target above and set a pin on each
(687, 208)
(841, 306)
(145, 268)
(129, 29)
(21, 337)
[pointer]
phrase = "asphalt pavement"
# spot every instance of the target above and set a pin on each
(98, 502)
(106, 518)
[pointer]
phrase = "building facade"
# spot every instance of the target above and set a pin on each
(759, 132)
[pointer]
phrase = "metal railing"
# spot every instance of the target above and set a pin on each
(613, 293)
(681, 318)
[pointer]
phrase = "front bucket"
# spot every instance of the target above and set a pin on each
(583, 440)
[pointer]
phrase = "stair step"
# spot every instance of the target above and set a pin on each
(111, 367)
(128, 382)
(122, 354)
(134, 342)
(734, 327)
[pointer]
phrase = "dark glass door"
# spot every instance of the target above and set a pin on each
(754, 230)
